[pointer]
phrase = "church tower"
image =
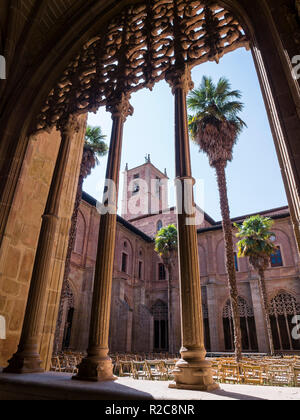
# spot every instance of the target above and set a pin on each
(145, 191)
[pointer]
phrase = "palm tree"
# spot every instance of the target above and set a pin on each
(256, 244)
(166, 245)
(94, 147)
(215, 127)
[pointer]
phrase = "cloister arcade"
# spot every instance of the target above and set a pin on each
(109, 51)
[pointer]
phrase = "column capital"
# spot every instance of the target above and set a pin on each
(120, 106)
(69, 126)
(180, 78)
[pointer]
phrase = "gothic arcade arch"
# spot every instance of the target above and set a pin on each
(161, 331)
(282, 309)
(248, 327)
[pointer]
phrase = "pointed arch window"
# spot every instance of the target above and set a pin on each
(248, 327)
(283, 308)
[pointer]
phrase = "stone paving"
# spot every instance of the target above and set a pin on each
(59, 386)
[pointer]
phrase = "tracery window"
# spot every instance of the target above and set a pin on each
(248, 327)
(282, 310)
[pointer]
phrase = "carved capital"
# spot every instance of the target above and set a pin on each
(180, 78)
(120, 106)
(69, 126)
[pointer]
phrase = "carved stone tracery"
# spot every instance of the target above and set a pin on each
(245, 311)
(284, 304)
(136, 49)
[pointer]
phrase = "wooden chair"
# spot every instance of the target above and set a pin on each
(230, 373)
(296, 371)
(279, 375)
(126, 368)
(252, 374)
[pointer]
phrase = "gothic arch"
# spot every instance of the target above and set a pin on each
(17, 121)
(248, 327)
(87, 25)
(283, 307)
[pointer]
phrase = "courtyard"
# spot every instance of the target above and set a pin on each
(59, 386)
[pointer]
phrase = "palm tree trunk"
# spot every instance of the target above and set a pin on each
(264, 304)
(229, 254)
(170, 311)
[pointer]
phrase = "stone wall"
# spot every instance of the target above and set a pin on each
(21, 236)
(22, 232)
(131, 319)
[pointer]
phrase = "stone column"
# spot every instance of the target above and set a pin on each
(261, 331)
(192, 371)
(27, 359)
(97, 366)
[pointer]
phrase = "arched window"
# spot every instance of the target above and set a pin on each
(276, 258)
(282, 310)
(161, 272)
(159, 225)
(124, 262)
(248, 327)
(160, 318)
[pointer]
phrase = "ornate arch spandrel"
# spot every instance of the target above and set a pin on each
(137, 48)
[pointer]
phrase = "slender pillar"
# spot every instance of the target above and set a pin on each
(192, 371)
(97, 366)
(27, 359)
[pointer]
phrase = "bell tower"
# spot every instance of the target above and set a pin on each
(145, 191)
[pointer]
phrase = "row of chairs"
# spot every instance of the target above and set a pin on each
(256, 373)
(276, 371)
(148, 369)
(65, 363)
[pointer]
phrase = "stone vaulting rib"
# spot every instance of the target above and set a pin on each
(136, 49)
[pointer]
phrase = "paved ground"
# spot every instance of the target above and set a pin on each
(60, 386)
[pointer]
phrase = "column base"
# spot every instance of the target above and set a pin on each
(195, 376)
(95, 370)
(22, 363)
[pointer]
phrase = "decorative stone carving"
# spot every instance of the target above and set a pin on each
(245, 310)
(136, 49)
(120, 107)
(180, 78)
(284, 304)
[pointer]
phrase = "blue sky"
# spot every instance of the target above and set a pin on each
(254, 178)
